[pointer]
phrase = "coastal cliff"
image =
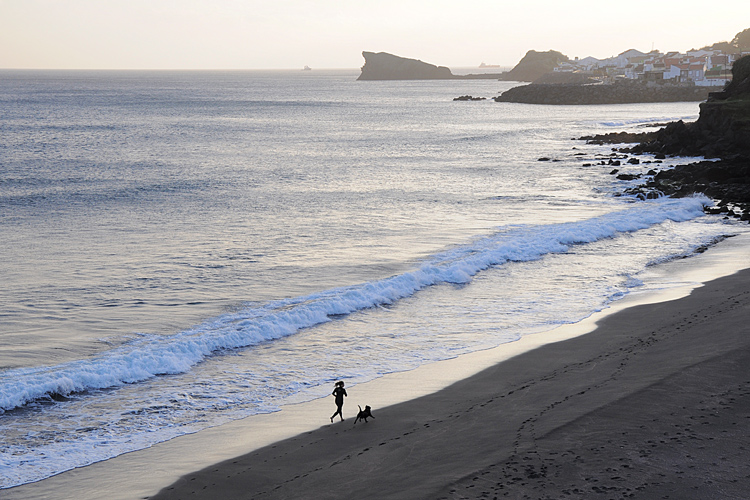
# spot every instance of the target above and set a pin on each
(384, 66)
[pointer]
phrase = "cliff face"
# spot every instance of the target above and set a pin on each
(725, 117)
(533, 65)
(384, 66)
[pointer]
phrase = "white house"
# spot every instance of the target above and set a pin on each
(700, 53)
(685, 72)
(589, 63)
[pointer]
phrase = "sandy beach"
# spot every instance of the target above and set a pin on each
(652, 404)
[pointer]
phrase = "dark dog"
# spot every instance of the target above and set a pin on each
(364, 414)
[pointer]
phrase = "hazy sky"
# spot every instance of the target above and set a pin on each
(258, 34)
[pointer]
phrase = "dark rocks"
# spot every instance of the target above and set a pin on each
(618, 93)
(628, 177)
(469, 98)
(618, 138)
(723, 180)
(564, 78)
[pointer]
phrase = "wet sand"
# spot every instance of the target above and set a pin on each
(655, 403)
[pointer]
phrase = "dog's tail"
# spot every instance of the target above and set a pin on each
(357, 418)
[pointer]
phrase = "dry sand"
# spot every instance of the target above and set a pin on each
(655, 403)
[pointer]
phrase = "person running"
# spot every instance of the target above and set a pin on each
(339, 392)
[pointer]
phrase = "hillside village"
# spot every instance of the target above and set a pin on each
(704, 67)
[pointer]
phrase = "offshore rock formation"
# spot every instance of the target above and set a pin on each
(617, 93)
(533, 65)
(384, 66)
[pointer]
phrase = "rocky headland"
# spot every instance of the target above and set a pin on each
(534, 65)
(622, 92)
(722, 132)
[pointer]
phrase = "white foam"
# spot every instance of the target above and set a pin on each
(639, 121)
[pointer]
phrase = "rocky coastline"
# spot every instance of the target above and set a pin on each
(722, 133)
(617, 93)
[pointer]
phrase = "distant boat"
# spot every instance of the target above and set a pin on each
(307, 68)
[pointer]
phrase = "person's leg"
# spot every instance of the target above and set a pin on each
(338, 412)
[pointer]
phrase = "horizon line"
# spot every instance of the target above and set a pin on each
(498, 66)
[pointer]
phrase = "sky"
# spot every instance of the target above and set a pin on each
(289, 34)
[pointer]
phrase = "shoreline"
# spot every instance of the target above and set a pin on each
(142, 473)
(642, 406)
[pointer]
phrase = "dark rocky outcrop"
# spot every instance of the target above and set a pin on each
(533, 65)
(384, 66)
(623, 92)
(618, 137)
(725, 181)
(564, 78)
(469, 98)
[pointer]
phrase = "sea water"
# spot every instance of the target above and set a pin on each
(183, 249)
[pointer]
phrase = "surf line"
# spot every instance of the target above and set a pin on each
(152, 355)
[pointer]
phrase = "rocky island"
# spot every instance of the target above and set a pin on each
(384, 66)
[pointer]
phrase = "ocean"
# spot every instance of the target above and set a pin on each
(184, 249)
